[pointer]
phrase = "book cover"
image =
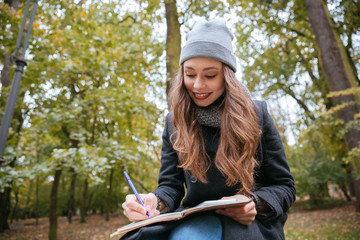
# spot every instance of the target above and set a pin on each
(172, 216)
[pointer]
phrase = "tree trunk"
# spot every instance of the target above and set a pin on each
(344, 191)
(5, 204)
(108, 204)
(15, 206)
(338, 73)
(5, 75)
(28, 198)
(4, 209)
(13, 3)
(37, 182)
(53, 206)
(72, 193)
(91, 195)
(173, 41)
(37, 201)
(83, 202)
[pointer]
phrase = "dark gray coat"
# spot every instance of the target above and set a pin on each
(274, 183)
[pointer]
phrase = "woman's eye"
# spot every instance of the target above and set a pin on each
(211, 76)
(190, 75)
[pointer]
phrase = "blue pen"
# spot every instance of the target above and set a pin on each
(135, 192)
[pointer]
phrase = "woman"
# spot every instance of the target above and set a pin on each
(219, 143)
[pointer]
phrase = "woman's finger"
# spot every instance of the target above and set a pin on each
(244, 215)
(150, 203)
(136, 207)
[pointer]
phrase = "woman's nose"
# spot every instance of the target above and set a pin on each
(199, 83)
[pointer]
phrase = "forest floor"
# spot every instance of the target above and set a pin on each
(341, 222)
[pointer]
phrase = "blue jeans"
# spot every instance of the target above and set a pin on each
(207, 227)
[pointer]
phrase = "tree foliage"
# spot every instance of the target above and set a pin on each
(89, 98)
(281, 63)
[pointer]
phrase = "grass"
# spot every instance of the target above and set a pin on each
(336, 223)
(340, 222)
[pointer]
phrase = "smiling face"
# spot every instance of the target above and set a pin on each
(204, 80)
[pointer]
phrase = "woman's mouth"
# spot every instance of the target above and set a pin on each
(201, 96)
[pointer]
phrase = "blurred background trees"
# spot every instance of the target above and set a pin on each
(92, 99)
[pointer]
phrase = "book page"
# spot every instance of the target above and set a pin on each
(216, 204)
(219, 202)
(204, 206)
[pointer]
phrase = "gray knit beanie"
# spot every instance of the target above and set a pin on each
(211, 39)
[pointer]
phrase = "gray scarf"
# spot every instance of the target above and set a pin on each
(209, 116)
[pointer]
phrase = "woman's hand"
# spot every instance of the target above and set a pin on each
(134, 211)
(244, 214)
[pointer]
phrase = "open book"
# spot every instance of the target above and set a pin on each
(204, 206)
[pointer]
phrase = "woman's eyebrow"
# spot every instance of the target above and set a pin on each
(189, 68)
(210, 68)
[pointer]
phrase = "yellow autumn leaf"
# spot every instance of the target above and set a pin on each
(36, 24)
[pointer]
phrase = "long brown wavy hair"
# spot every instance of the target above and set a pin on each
(239, 134)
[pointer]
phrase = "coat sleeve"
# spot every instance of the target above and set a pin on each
(275, 184)
(171, 178)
